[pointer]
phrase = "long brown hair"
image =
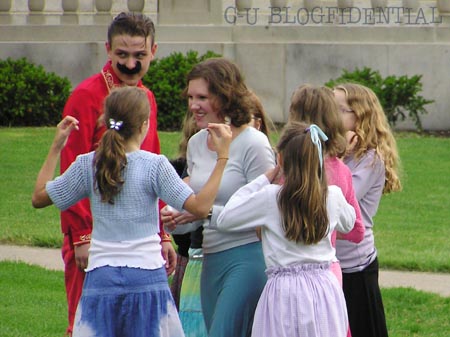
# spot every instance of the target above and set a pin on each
(188, 129)
(258, 112)
(373, 131)
(302, 198)
(317, 105)
(125, 111)
(226, 84)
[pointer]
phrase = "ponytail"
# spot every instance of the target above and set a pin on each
(303, 196)
(110, 160)
(126, 109)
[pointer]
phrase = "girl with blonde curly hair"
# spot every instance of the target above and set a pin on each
(373, 158)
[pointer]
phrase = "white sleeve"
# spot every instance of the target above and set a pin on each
(346, 214)
(247, 208)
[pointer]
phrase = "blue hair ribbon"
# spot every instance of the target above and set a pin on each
(317, 136)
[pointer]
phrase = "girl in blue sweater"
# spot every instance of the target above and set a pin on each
(125, 292)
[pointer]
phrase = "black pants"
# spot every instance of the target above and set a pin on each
(364, 303)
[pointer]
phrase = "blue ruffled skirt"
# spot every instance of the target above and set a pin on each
(126, 302)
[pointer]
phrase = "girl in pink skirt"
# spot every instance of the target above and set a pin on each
(297, 213)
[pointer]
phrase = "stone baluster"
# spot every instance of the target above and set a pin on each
(411, 5)
(443, 7)
(135, 5)
(279, 3)
(36, 12)
(103, 15)
(69, 6)
(36, 6)
(103, 6)
(5, 6)
(345, 7)
(377, 4)
(197, 12)
(242, 5)
(5, 16)
(344, 4)
(311, 4)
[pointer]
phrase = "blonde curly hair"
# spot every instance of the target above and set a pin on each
(373, 131)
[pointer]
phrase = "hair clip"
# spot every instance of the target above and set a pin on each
(115, 125)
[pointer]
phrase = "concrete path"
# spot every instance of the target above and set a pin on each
(45, 257)
(429, 282)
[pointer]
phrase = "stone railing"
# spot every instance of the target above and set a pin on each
(277, 49)
(223, 12)
(54, 12)
(76, 6)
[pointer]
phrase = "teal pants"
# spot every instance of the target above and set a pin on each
(231, 284)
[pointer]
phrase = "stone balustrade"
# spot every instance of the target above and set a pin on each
(260, 12)
(77, 6)
(277, 49)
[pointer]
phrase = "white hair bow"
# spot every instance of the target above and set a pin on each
(115, 125)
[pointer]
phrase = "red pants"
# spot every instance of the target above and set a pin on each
(73, 278)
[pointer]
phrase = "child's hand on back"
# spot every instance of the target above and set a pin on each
(352, 140)
(275, 175)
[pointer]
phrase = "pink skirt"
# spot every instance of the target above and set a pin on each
(301, 300)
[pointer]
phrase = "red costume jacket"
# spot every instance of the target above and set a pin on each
(86, 104)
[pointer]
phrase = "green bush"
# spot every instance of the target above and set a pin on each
(30, 96)
(397, 95)
(167, 79)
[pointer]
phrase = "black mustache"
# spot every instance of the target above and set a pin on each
(125, 70)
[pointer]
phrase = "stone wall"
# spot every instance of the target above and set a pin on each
(275, 56)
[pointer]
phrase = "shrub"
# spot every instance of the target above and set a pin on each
(167, 79)
(30, 96)
(397, 95)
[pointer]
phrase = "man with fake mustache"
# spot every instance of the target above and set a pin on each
(130, 47)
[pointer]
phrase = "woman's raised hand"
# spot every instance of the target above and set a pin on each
(221, 137)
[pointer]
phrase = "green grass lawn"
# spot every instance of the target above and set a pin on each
(412, 227)
(32, 301)
(412, 230)
(33, 304)
(22, 152)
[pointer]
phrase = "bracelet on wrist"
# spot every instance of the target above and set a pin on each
(209, 216)
(224, 158)
(165, 237)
